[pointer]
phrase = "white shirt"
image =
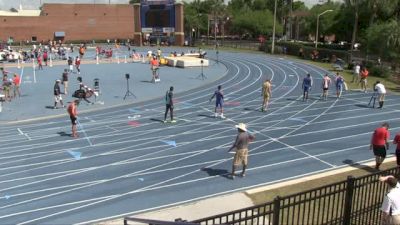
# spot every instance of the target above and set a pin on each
(380, 88)
(357, 69)
(392, 201)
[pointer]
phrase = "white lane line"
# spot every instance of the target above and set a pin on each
(84, 132)
(20, 131)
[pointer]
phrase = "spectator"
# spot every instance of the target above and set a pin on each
(391, 203)
(16, 83)
(396, 141)
(64, 79)
(363, 79)
(57, 95)
(356, 73)
(6, 87)
(380, 144)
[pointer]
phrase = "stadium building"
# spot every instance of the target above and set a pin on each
(148, 21)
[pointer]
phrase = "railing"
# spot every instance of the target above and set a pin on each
(355, 201)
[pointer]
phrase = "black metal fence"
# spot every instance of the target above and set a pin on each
(355, 201)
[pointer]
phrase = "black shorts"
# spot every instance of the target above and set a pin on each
(73, 120)
(380, 150)
(398, 156)
(325, 89)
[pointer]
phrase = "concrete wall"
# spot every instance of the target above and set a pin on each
(78, 21)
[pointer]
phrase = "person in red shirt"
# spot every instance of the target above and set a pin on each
(39, 60)
(78, 64)
(154, 67)
(396, 141)
(380, 143)
(45, 57)
(16, 84)
(73, 115)
(363, 79)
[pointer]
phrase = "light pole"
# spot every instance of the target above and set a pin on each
(273, 29)
(316, 33)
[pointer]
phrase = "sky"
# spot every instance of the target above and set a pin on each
(34, 4)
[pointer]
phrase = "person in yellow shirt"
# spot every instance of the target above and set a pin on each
(266, 93)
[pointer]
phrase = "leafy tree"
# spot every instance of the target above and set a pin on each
(254, 23)
(326, 21)
(383, 38)
(134, 1)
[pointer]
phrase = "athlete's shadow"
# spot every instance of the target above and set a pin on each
(252, 109)
(216, 172)
(363, 105)
(359, 166)
(157, 120)
(208, 116)
(63, 134)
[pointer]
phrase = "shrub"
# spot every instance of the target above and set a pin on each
(379, 71)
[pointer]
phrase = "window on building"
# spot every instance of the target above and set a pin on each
(34, 39)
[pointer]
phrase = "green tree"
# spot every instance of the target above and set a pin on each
(383, 38)
(326, 21)
(254, 23)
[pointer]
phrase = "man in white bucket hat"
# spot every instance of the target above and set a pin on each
(241, 145)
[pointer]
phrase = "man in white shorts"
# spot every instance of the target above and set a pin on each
(381, 90)
(57, 94)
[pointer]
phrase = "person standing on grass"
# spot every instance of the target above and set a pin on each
(363, 79)
(266, 92)
(339, 80)
(380, 144)
(57, 94)
(169, 105)
(73, 115)
(391, 202)
(326, 82)
(356, 73)
(307, 84)
(241, 145)
(381, 90)
(219, 102)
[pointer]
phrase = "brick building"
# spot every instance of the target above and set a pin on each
(81, 22)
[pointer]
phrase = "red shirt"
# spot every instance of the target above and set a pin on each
(396, 140)
(72, 109)
(16, 80)
(380, 136)
(364, 73)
